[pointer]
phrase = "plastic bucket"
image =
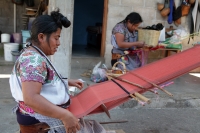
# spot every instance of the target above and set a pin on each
(5, 38)
(17, 37)
(15, 55)
(8, 47)
(25, 35)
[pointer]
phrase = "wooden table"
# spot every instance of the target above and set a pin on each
(168, 51)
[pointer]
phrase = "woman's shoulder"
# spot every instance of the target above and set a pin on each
(32, 57)
(31, 53)
(119, 28)
(32, 66)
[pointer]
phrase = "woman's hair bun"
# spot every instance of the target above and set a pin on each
(60, 19)
(65, 22)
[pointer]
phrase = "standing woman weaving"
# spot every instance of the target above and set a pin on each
(124, 38)
(41, 93)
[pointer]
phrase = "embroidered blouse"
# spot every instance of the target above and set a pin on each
(33, 66)
(121, 28)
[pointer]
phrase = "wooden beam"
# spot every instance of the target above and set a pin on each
(104, 28)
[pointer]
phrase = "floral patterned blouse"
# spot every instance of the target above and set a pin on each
(33, 66)
(121, 28)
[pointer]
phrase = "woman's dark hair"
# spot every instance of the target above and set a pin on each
(47, 24)
(134, 18)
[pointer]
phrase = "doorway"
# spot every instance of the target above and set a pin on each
(87, 28)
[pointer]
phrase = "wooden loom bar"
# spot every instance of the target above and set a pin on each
(141, 97)
(131, 95)
(135, 84)
(155, 85)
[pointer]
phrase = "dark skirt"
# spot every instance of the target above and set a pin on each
(25, 119)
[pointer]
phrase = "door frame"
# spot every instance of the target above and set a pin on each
(104, 28)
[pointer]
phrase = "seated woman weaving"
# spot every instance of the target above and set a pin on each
(124, 41)
(40, 91)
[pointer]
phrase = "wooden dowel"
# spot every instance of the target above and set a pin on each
(143, 98)
(131, 95)
(135, 84)
(103, 106)
(130, 83)
(134, 97)
(155, 85)
(110, 122)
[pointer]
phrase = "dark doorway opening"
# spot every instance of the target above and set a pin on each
(87, 28)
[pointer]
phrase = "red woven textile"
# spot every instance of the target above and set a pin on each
(108, 93)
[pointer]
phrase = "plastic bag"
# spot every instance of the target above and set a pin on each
(90, 126)
(98, 74)
(178, 35)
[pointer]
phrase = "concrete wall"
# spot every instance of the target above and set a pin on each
(119, 9)
(62, 58)
(7, 16)
(86, 15)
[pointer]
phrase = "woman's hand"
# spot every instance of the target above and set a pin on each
(141, 44)
(70, 122)
(77, 83)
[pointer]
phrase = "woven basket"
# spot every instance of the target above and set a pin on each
(115, 71)
(150, 37)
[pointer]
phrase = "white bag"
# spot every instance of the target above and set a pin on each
(91, 126)
(162, 35)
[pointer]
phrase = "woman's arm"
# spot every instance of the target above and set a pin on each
(31, 94)
(77, 83)
(122, 44)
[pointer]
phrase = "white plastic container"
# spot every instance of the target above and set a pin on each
(8, 47)
(5, 38)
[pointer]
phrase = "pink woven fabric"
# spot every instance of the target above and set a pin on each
(108, 93)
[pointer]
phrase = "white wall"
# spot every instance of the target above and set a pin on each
(62, 58)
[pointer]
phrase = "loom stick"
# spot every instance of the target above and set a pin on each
(109, 122)
(103, 106)
(135, 84)
(131, 95)
(112, 122)
(155, 85)
(143, 98)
